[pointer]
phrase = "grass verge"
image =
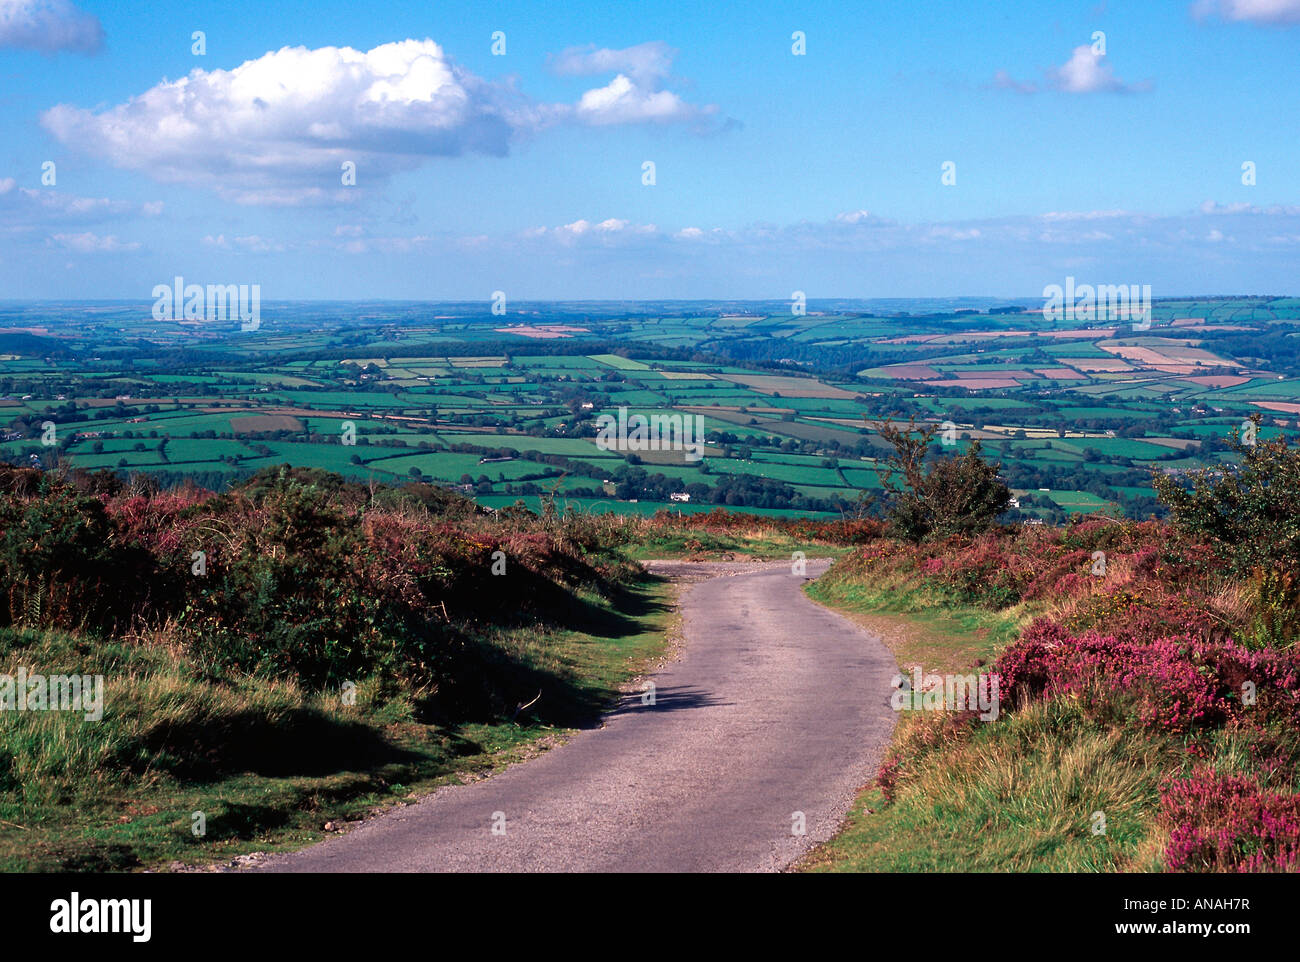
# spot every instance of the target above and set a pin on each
(268, 764)
(1017, 795)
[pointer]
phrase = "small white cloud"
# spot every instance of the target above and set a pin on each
(858, 217)
(48, 26)
(1086, 72)
(622, 102)
(636, 94)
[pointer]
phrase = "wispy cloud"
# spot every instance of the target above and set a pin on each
(89, 243)
(647, 63)
(247, 243)
(1267, 12)
(48, 26)
(26, 207)
(1004, 81)
(862, 231)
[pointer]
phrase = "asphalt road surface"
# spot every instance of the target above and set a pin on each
(776, 706)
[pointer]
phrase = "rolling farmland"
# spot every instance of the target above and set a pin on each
(1079, 416)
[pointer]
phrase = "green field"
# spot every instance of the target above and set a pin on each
(504, 416)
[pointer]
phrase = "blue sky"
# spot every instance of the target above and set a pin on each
(774, 172)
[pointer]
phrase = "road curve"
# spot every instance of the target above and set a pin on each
(775, 706)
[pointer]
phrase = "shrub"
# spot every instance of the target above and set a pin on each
(61, 563)
(1250, 510)
(956, 495)
(1176, 684)
(1225, 823)
(304, 578)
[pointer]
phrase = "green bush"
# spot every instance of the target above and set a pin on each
(1250, 510)
(950, 496)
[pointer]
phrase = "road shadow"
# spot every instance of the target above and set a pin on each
(671, 698)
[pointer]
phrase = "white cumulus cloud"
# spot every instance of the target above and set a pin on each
(277, 130)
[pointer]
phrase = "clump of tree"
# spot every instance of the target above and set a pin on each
(933, 498)
(1250, 509)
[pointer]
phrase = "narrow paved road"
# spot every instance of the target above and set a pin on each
(776, 706)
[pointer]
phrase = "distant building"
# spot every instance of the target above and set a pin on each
(679, 496)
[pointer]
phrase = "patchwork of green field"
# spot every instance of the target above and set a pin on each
(789, 404)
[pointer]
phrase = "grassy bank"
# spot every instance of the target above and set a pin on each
(1124, 741)
(289, 654)
(924, 626)
(269, 763)
(920, 625)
